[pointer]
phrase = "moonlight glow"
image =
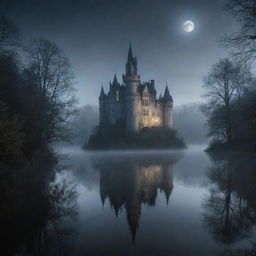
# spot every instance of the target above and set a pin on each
(188, 26)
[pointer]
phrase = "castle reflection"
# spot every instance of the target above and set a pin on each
(127, 183)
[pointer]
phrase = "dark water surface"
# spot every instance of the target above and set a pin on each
(163, 202)
(130, 203)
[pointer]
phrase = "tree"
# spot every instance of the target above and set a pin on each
(224, 83)
(8, 32)
(49, 71)
(12, 136)
(243, 42)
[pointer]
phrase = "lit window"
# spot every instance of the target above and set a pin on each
(117, 95)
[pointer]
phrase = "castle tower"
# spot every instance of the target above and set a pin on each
(131, 80)
(102, 103)
(167, 108)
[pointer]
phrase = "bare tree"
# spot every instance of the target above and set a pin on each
(224, 83)
(50, 72)
(243, 42)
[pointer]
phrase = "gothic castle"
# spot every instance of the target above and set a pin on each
(135, 103)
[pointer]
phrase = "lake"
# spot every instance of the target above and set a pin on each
(161, 202)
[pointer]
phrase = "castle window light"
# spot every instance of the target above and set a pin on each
(145, 112)
(117, 95)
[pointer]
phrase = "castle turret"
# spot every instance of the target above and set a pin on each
(167, 108)
(131, 80)
(102, 103)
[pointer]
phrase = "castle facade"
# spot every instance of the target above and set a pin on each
(134, 103)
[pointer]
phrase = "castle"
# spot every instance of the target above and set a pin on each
(134, 103)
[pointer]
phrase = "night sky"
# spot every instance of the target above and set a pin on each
(95, 35)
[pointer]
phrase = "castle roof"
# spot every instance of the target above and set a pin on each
(115, 82)
(102, 93)
(167, 96)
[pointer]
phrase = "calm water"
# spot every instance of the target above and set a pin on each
(161, 202)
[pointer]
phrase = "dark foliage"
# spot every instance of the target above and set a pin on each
(33, 209)
(37, 99)
(115, 137)
(35, 213)
(230, 110)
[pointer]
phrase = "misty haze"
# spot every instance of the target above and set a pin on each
(127, 127)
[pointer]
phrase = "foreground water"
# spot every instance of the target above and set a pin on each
(162, 202)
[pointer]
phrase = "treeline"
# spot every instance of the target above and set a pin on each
(231, 86)
(36, 103)
(36, 95)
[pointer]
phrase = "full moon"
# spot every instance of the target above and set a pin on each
(188, 26)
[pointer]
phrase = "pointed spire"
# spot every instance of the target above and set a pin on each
(167, 96)
(102, 196)
(167, 193)
(131, 64)
(130, 55)
(115, 82)
(102, 93)
(116, 209)
(166, 92)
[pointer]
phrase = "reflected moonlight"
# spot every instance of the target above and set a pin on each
(188, 26)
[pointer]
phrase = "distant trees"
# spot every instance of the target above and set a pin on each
(83, 123)
(191, 123)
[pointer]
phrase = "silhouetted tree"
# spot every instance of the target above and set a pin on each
(224, 83)
(50, 72)
(242, 42)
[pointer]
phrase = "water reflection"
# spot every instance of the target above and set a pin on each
(230, 207)
(129, 182)
(37, 212)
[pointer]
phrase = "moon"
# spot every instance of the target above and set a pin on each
(188, 26)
